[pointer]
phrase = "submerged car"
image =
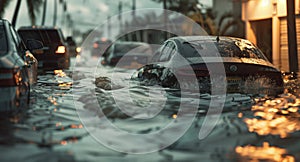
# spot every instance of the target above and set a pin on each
(18, 67)
(55, 53)
(127, 54)
(243, 64)
(99, 47)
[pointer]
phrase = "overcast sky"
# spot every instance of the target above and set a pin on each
(86, 14)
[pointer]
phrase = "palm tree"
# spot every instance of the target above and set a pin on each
(3, 5)
(33, 7)
(17, 9)
(55, 13)
(182, 6)
(44, 12)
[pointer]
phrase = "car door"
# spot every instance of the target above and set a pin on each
(30, 61)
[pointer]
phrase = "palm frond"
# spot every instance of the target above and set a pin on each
(33, 8)
(3, 5)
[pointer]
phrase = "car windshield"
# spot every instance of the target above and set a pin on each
(238, 49)
(121, 49)
(46, 36)
(3, 41)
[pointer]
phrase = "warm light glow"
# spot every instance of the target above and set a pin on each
(18, 77)
(63, 142)
(95, 45)
(61, 50)
(76, 126)
(60, 73)
(266, 152)
(103, 39)
(240, 115)
(174, 116)
(265, 3)
(276, 117)
(52, 100)
(78, 49)
(65, 85)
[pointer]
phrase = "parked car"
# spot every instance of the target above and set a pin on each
(244, 64)
(99, 47)
(127, 54)
(55, 53)
(72, 46)
(18, 67)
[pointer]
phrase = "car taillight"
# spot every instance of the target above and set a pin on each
(78, 49)
(10, 77)
(61, 50)
(95, 45)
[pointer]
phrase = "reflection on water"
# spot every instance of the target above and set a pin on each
(51, 130)
(279, 116)
(60, 73)
(265, 153)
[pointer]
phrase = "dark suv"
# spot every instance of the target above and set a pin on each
(55, 54)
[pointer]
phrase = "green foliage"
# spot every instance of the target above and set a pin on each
(33, 8)
(207, 20)
(182, 6)
(3, 5)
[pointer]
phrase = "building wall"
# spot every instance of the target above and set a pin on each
(275, 10)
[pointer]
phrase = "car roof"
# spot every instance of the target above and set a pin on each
(130, 42)
(2, 21)
(205, 38)
(38, 28)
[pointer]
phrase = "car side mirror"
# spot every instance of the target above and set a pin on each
(34, 44)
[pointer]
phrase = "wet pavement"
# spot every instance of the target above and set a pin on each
(53, 128)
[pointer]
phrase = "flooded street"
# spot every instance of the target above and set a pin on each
(68, 115)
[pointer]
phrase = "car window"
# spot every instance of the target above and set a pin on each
(122, 49)
(236, 49)
(248, 50)
(103, 46)
(167, 51)
(3, 41)
(45, 36)
(18, 42)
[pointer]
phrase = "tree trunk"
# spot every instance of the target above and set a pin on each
(15, 16)
(55, 13)
(44, 12)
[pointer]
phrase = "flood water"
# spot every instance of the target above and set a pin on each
(61, 122)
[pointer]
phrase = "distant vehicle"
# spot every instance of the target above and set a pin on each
(127, 54)
(18, 67)
(55, 54)
(242, 61)
(73, 49)
(99, 46)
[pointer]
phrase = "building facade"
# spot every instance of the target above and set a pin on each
(266, 26)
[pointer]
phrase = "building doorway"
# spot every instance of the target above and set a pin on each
(263, 33)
